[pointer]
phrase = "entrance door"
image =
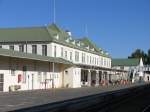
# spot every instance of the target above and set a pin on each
(84, 76)
(1, 81)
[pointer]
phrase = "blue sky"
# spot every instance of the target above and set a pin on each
(118, 26)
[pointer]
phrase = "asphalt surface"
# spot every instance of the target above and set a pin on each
(24, 99)
(138, 103)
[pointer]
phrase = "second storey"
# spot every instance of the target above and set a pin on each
(57, 50)
(54, 42)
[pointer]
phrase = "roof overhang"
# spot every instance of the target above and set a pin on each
(21, 55)
(99, 68)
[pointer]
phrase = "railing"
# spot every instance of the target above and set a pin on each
(102, 102)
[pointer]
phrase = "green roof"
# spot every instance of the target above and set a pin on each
(125, 62)
(24, 34)
(17, 54)
(48, 34)
(89, 43)
(84, 42)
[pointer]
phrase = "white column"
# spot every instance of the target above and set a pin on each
(107, 76)
(102, 75)
(133, 79)
(89, 78)
(107, 81)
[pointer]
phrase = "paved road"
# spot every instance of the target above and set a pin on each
(17, 100)
(139, 103)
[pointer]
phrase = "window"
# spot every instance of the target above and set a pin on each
(83, 57)
(70, 55)
(87, 59)
(66, 54)
(0, 46)
(76, 56)
(21, 48)
(54, 51)
(102, 61)
(44, 50)
(11, 47)
(34, 49)
(62, 52)
(93, 60)
(97, 61)
(1, 80)
(106, 62)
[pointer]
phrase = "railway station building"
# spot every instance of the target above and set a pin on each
(50, 57)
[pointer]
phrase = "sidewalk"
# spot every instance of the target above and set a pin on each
(23, 99)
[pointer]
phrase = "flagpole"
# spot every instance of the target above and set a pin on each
(86, 30)
(54, 11)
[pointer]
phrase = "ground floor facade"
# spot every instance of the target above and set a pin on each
(101, 76)
(24, 74)
(27, 74)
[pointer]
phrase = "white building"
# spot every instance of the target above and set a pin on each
(46, 57)
(136, 70)
(125, 64)
(147, 73)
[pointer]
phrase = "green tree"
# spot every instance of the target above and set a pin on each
(148, 57)
(138, 53)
